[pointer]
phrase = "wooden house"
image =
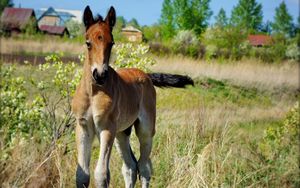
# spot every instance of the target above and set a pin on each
(132, 34)
(15, 20)
(260, 40)
(55, 30)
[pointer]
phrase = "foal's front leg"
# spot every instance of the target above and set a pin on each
(106, 136)
(84, 140)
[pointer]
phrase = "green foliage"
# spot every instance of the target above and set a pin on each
(282, 20)
(133, 22)
(167, 20)
(266, 27)
(221, 19)
(185, 15)
(152, 33)
(247, 15)
(131, 55)
(280, 144)
(120, 23)
(5, 3)
(31, 27)
(23, 115)
(293, 52)
(186, 43)
(17, 115)
(228, 42)
(75, 28)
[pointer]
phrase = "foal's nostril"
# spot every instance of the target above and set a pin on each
(95, 74)
(99, 78)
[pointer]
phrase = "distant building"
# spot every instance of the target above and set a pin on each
(57, 17)
(54, 30)
(15, 20)
(260, 40)
(132, 34)
(75, 15)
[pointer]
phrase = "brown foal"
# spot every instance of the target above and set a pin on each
(107, 103)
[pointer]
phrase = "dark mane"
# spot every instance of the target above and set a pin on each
(98, 18)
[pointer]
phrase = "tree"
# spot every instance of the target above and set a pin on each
(167, 20)
(75, 28)
(120, 23)
(5, 3)
(266, 27)
(221, 19)
(247, 14)
(283, 21)
(192, 15)
(200, 14)
(133, 22)
(152, 33)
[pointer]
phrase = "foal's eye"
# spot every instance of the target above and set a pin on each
(100, 37)
(88, 44)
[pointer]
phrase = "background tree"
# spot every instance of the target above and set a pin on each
(181, 14)
(192, 15)
(200, 14)
(283, 21)
(152, 33)
(247, 14)
(266, 27)
(167, 20)
(133, 22)
(120, 23)
(221, 19)
(75, 28)
(5, 3)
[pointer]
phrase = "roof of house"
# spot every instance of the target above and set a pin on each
(56, 30)
(74, 14)
(16, 18)
(131, 29)
(64, 15)
(259, 40)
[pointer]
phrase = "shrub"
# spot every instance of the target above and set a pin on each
(131, 55)
(186, 43)
(280, 147)
(228, 42)
(293, 52)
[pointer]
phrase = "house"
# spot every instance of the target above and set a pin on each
(54, 30)
(259, 40)
(75, 15)
(132, 34)
(57, 17)
(15, 20)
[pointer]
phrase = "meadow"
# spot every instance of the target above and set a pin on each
(237, 127)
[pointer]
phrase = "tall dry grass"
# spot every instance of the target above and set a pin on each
(247, 72)
(51, 45)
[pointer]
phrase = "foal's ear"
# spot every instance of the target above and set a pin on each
(111, 17)
(88, 18)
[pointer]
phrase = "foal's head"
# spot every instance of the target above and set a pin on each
(99, 41)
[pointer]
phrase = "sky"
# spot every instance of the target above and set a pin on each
(147, 12)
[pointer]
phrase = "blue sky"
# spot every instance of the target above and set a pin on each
(147, 12)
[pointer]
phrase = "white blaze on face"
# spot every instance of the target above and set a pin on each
(99, 67)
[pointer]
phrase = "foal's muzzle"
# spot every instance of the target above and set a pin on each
(100, 78)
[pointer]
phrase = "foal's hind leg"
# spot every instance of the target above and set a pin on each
(145, 132)
(129, 168)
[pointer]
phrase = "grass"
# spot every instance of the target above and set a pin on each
(206, 136)
(40, 47)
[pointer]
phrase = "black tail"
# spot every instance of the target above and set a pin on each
(170, 80)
